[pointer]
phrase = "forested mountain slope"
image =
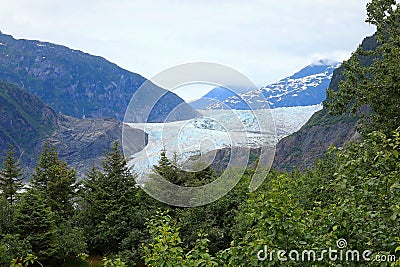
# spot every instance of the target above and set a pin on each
(76, 83)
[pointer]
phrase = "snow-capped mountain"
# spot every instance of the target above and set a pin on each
(216, 95)
(304, 88)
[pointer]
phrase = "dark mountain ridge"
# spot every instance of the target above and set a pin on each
(75, 83)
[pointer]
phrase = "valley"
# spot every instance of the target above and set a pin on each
(216, 129)
(102, 167)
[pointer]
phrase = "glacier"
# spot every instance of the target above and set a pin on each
(216, 129)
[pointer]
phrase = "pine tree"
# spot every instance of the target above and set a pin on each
(10, 177)
(109, 206)
(94, 203)
(6, 216)
(201, 177)
(168, 171)
(53, 177)
(43, 171)
(35, 223)
(116, 171)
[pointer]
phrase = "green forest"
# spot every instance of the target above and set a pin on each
(344, 211)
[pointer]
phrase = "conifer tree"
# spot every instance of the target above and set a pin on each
(168, 171)
(35, 223)
(109, 210)
(53, 177)
(10, 177)
(6, 216)
(43, 171)
(201, 177)
(116, 172)
(94, 204)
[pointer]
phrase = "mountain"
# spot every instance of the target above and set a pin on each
(304, 147)
(24, 120)
(216, 95)
(26, 123)
(304, 88)
(78, 84)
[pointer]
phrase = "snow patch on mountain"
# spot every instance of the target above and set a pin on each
(304, 88)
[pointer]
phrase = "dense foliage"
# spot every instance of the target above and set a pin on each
(352, 194)
(371, 85)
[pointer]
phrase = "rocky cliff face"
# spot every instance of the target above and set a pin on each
(83, 143)
(76, 83)
(303, 148)
(26, 123)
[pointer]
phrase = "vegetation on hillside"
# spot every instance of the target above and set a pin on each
(353, 194)
(371, 86)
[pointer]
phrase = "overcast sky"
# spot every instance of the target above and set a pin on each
(265, 40)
